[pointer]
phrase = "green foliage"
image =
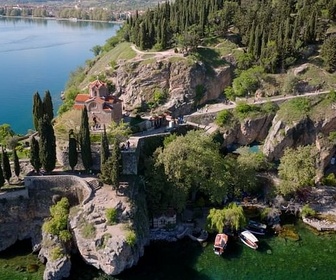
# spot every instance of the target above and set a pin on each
(7, 173)
(5, 133)
(48, 105)
(57, 224)
(329, 180)
(84, 140)
(111, 216)
(294, 109)
(47, 144)
(328, 53)
(192, 163)
(73, 154)
(307, 211)
(88, 230)
(35, 154)
(2, 179)
(96, 50)
(256, 160)
(37, 110)
(199, 93)
(56, 253)
(231, 216)
(104, 147)
(17, 167)
(290, 84)
(297, 169)
(119, 131)
(131, 238)
(244, 110)
(248, 81)
(223, 118)
(229, 93)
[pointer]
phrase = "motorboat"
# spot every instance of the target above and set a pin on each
(249, 239)
(220, 243)
(256, 227)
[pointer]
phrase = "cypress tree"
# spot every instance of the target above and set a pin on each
(2, 179)
(35, 154)
(7, 173)
(104, 148)
(37, 110)
(84, 140)
(73, 154)
(115, 165)
(16, 163)
(47, 144)
(48, 105)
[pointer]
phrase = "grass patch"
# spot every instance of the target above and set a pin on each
(131, 238)
(295, 109)
(88, 230)
(111, 216)
(103, 241)
(56, 253)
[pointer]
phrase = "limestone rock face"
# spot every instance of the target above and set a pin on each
(57, 267)
(136, 82)
(104, 245)
(248, 131)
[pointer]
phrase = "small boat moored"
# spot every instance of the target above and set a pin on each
(220, 243)
(256, 227)
(249, 239)
(199, 235)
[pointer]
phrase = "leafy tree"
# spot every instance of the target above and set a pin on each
(6, 166)
(223, 118)
(48, 108)
(297, 169)
(73, 154)
(193, 163)
(35, 154)
(96, 50)
(16, 163)
(2, 179)
(37, 110)
(47, 144)
(84, 140)
(231, 216)
(104, 148)
(328, 53)
(5, 133)
(119, 131)
(248, 81)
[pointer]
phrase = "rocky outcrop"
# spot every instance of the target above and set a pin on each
(180, 78)
(105, 245)
(248, 131)
(54, 254)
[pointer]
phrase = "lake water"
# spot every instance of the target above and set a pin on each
(38, 55)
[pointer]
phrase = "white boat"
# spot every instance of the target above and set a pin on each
(249, 239)
(256, 227)
(220, 243)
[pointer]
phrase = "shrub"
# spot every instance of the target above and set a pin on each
(330, 180)
(131, 238)
(56, 253)
(111, 216)
(88, 230)
(307, 211)
(223, 118)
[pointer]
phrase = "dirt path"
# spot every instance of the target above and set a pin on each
(161, 54)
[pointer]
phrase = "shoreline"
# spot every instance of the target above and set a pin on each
(65, 19)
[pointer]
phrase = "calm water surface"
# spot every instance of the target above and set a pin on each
(39, 55)
(313, 257)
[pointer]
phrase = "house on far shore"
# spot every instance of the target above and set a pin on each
(102, 106)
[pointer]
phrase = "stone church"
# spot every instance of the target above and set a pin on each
(102, 106)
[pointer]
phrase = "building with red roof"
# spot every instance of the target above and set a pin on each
(102, 106)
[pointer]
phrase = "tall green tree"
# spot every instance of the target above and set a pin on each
(84, 140)
(2, 179)
(73, 154)
(48, 108)
(297, 169)
(104, 148)
(17, 168)
(37, 110)
(193, 163)
(47, 144)
(328, 53)
(35, 154)
(110, 169)
(6, 166)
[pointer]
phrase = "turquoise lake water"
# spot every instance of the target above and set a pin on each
(313, 257)
(39, 55)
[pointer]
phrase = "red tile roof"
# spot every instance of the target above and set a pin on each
(97, 84)
(78, 106)
(82, 97)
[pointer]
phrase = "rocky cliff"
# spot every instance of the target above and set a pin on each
(110, 247)
(186, 82)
